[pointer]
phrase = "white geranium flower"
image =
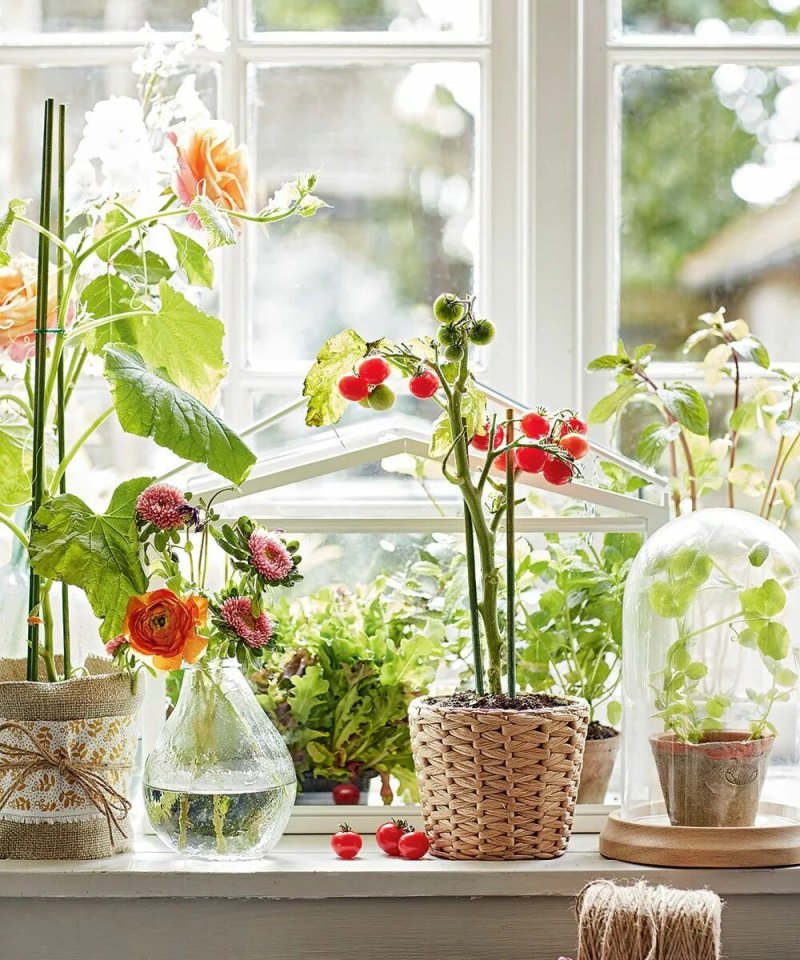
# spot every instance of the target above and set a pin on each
(284, 196)
(81, 186)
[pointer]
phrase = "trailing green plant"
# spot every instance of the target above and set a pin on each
(683, 702)
(339, 689)
(701, 456)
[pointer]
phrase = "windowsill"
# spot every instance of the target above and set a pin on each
(304, 868)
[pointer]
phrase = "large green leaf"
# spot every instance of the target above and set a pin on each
(654, 440)
(180, 339)
(336, 358)
(15, 209)
(147, 270)
(686, 404)
(309, 691)
(15, 483)
(193, 260)
(149, 404)
(99, 553)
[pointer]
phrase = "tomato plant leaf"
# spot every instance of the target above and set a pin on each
(336, 358)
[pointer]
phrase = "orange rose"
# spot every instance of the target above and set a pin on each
(18, 307)
(210, 164)
(162, 625)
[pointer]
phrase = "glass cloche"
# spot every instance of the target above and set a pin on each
(711, 720)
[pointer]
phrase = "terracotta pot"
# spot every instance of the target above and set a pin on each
(497, 784)
(599, 757)
(714, 783)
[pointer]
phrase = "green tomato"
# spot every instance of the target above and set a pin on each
(454, 352)
(482, 333)
(448, 335)
(381, 398)
(447, 308)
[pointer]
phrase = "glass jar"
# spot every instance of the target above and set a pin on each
(219, 783)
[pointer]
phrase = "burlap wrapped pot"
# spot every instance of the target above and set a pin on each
(497, 784)
(66, 758)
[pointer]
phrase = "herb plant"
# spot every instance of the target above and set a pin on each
(339, 689)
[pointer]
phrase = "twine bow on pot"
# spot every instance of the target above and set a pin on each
(30, 759)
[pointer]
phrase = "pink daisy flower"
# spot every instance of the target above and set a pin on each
(269, 556)
(237, 612)
(113, 645)
(164, 506)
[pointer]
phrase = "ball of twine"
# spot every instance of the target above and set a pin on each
(640, 922)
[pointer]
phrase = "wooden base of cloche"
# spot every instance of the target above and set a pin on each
(646, 836)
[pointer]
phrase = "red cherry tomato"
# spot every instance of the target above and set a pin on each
(500, 462)
(530, 459)
(481, 440)
(576, 444)
(424, 385)
(374, 370)
(388, 835)
(574, 425)
(556, 471)
(353, 388)
(344, 793)
(534, 425)
(413, 846)
(346, 843)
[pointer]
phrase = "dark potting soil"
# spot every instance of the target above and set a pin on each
(500, 701)
(599, 731)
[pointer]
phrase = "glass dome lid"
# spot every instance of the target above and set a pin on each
(711, 658)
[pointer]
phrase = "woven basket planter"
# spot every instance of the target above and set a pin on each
(497, 784)
(66, 758)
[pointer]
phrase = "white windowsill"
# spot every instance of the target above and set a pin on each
(304, 868)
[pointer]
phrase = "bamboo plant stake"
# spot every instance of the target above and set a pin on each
(510, 565)
(60, 404)
(472, 586)
(39, 377)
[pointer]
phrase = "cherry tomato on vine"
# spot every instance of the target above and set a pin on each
(576, 444)
(346, 843)
(530, 459)
(482, 333)
(558, 472)
(388, 835)
(424, 385)
(448, 308)
(500, 462)
(574, 425)
(374, 370)
(345, 793)
(353, 388)
(413, 846)
(534, 425)
(381, 397)
(481, 440)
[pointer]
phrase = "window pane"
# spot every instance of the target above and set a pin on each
(420, 16)
(33, 16)
(711, 18)
(395, 149)
(710, 170)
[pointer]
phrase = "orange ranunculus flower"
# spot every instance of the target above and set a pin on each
(162, 625)
(18, 284)
(210, 164)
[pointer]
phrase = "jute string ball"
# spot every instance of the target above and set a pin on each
(640, 922)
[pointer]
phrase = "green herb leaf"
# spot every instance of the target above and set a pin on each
(692, 565)
(751, 349)
(309, 691)
(336, 358)
(654, 440)
(758, 554)
(614, 712)
(610, 404)
(608, 361)
(686, 404)
(696, 671)
(193, 260)
(97, 552)
(670, 600)
(765, 601)
(149, 404)
(773, 640)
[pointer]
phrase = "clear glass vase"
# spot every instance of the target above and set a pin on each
(219, 783)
